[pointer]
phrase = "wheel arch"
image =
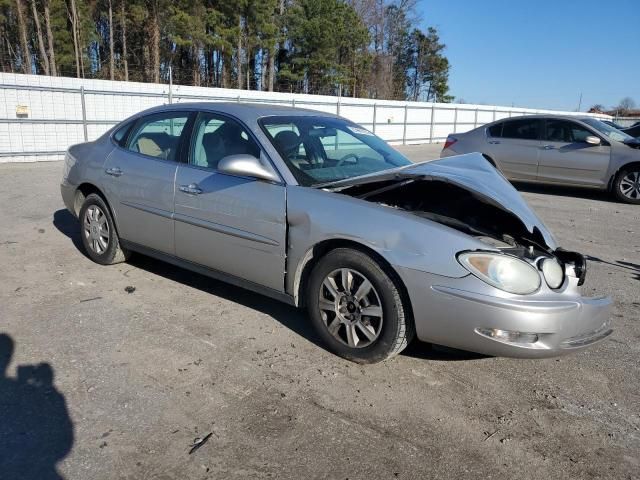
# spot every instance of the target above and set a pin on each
(621, 168)
(86, 189)
(319, 250)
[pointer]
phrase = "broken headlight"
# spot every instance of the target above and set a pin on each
(505, 272)
(553, 272)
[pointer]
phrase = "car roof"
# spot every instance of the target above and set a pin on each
(242, 111)
(549, 115)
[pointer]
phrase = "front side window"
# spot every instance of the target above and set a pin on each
(216, 137)
(321, 150)
(524, 129)
(158, 135)
(565, 131)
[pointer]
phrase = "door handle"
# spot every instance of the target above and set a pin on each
(548, 147)
(494, 142)
(191, 189)
(114, 171)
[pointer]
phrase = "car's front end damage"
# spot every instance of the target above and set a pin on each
(494, 280)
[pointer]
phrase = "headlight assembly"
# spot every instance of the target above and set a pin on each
(553, 272)
(502, 271)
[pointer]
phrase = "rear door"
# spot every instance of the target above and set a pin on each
(232, 224)
(139, 180)
(566, 157)
(515, 146)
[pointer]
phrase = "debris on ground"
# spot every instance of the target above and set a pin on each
(198, 442)
(129, 289)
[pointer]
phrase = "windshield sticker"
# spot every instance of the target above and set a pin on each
(360, 131)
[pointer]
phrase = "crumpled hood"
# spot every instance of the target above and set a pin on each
(474, 173)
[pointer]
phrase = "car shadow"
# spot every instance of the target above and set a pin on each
(634, 268)
(294, 319)
(67, 224)
(36, 431)
(565, 191)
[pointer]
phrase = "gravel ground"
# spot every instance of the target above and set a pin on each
(107, 384)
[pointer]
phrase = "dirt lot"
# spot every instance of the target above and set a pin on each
(137, 376)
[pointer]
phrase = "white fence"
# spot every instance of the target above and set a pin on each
(41, 116)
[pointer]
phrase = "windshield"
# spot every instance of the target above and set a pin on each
(321, 150)
(607, 130)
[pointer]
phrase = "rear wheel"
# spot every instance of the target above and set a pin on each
(626, 185)
(98, 232)
(357, 308)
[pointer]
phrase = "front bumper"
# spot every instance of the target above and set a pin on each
(448, 311)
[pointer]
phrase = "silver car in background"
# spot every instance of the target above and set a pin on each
(554, 149)
(316, 211)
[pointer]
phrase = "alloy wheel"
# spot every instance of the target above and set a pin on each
(630, 185)
(96, 229)
(350, 308)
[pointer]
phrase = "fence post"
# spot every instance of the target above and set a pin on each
(495, 111)
(293, 102)
(84, 114)
(475, 119)
(404, 126)
(375, 109)
(238, 99)
(170, 85)
(433, 112)
(455, 119)
(339, 98)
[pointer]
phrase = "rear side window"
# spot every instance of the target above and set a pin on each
(158, 135)
(495, 130)
(525, 129)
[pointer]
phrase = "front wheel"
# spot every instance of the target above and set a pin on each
(626, 185)
(98, 232)
(356, 307)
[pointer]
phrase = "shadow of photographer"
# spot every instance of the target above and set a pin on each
(36, 431)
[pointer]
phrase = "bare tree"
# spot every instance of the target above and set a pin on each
(123, 21)
(111, 59)
(24, 43)
(47, 24)
(43, 51)
(626, 104)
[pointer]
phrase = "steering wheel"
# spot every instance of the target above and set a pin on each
(344, 159)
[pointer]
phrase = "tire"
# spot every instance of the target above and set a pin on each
(337, 313)
(98, 232)
(626, 186)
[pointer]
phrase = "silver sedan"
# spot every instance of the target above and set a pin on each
(318, 212)
(555, 149)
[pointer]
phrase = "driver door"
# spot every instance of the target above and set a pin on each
(235, 225)
(566, 157)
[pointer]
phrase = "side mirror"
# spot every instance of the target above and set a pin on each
(246, 165)
(592, 140)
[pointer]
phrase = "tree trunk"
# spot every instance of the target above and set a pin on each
(24, 44)
(272, 68)
(239, 52)
(47, 24)
(155, 43)
(74, 26)
(111, 59)
(123, 21)
(43, 52)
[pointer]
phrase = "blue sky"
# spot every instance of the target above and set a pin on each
(540, 53)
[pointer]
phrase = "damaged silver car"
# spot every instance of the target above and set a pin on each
(318, 212)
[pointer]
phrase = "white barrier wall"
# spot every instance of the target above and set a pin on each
(41, 116)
